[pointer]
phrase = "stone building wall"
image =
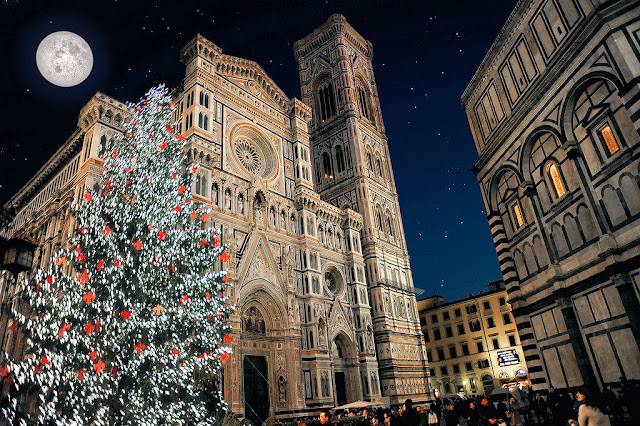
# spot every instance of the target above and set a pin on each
(554, 109)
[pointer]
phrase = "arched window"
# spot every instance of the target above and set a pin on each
(326, 100)
(206, 101)
(363, 103)
(198, 184)
(200, 120)
(390, 226)
(378, 166)
(554, 180)
(339, 159)
(326, 164)
(205, 122)
(379, 223)
(272, 216)
(369, 161)
(283, 220)
(201, 98)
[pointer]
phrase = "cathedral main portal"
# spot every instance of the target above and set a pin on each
(256, 389)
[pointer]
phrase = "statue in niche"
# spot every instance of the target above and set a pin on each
(227, 199)
(214, 194)
(240, 208)
(282, 389)
(252, 321)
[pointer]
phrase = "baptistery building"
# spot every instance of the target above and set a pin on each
(304, 195)
(554, 109)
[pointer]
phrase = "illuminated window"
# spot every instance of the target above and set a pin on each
(610, 141)
(553, 175)
(518, 218)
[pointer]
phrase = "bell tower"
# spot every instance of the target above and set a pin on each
(352, 168)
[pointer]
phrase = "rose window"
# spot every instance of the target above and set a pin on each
(250, 156)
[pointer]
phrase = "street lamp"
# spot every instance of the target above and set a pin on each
(18, 255)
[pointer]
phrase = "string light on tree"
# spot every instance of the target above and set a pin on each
(119, 321)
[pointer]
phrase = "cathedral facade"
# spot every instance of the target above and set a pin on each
(304, 197)
(555, 113)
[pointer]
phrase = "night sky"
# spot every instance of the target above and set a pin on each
(425, 53)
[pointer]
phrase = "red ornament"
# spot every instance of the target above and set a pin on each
(127, 170)
(208, 296)
(216, 242)
(184, 299)
(137, 245)
(226, 278)
(150, 135)
(139, 347)
(99, 366)
(114, 372)
(181, 189)
(177, 208)
(173, 267)
(89, 297)
(173, 175)
(78, 249)
(117, 262)
(107, 230)
(13, 326)
(180, 138)
(193, 168)
(169, 128)
(202, 356)
(173, 105)
(224, 357)
(114, 154)
(37, 368)
(87, 196)
(38, 288)
(98, 326)
(50, 279)
(89, 328)
(193, 215)
(61, 261)
(203, 243)
(175, 351)
(161, 235)
(65, 327)
(5, 370)
(162, 146)
(227, 339)
(100, 265)
(84, 278)
(81, 257)
(92, 355)
(125, 315)
(81, 373)
(205, 217)
(225, 257)
(7, 381)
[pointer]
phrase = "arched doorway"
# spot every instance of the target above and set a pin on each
(345, 370)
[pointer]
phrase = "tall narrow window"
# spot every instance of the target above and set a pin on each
(340, 159)
(200, 120)
(363, 104)
(326, 101)
(518, 218)
(326, 163)
(609, 139)
(202, 98)
(553, 175)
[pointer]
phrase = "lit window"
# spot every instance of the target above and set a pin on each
(610, 140)
(517, 215)
(555, 180)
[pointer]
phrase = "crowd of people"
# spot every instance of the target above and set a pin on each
(526, 408)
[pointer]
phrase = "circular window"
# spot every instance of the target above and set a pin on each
(254, 153)
(250, 156)
(333, 282)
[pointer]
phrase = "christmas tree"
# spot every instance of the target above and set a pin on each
(126, 324)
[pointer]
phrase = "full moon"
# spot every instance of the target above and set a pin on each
(64, 59)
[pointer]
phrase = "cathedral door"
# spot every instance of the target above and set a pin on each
(341, 390)
(256, 389)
